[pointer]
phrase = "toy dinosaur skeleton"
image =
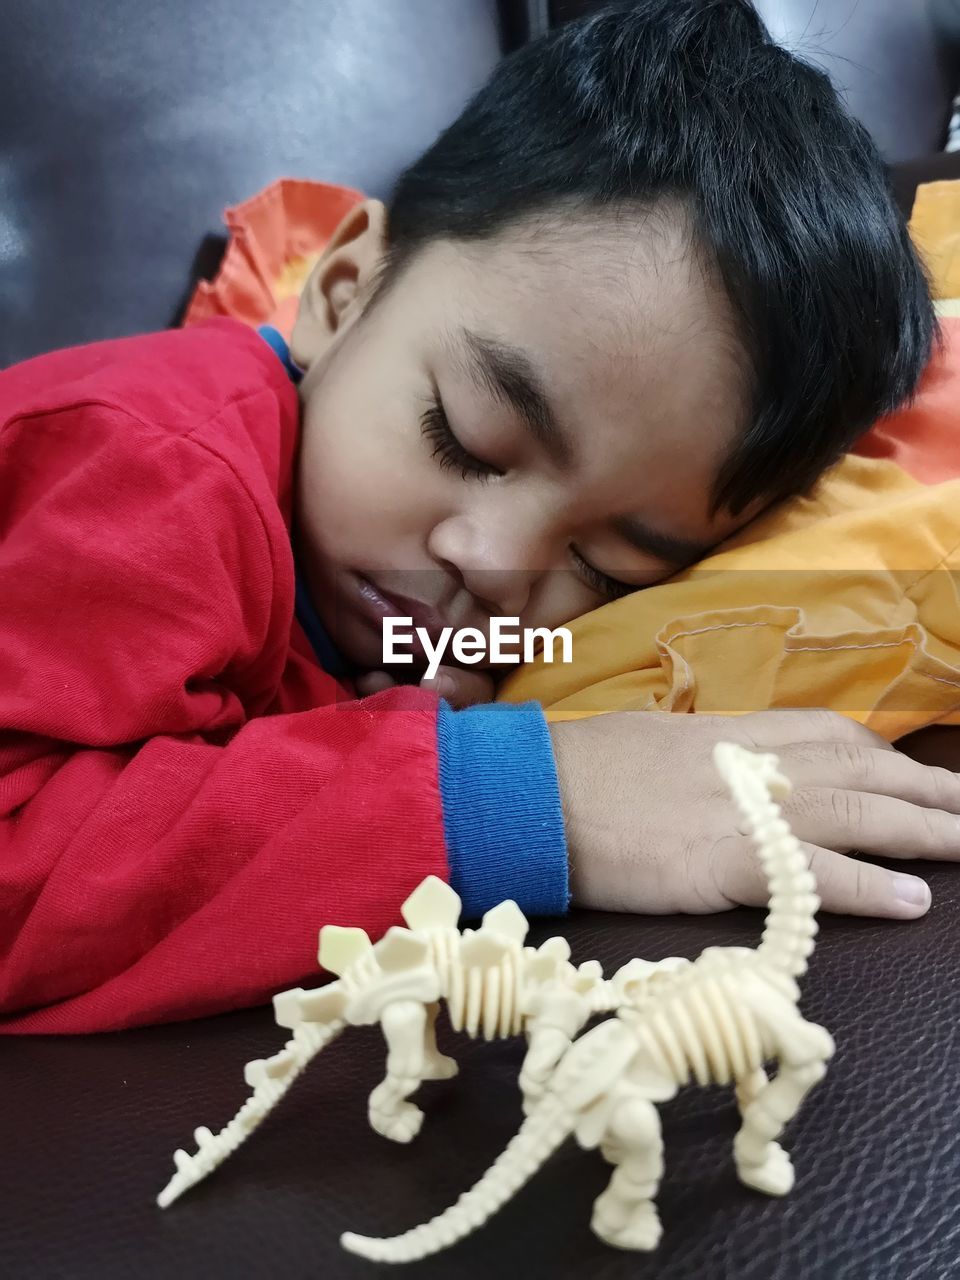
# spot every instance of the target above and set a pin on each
(492, 984)
(716, 1020)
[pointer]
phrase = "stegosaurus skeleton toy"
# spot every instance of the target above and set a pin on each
(716, 1019)
(493, 986)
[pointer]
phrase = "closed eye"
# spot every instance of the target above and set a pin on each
(448, 450)
(451, 455)
(602, 582)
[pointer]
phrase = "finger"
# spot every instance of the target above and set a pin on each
(876, 824)
(784, 726)
(460, 687)
(373, 682)
(880, 773)
(844, 885)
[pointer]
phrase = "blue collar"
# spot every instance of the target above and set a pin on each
(275, 339)
(326, 652)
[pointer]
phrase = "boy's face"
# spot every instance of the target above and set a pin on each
(589, 375)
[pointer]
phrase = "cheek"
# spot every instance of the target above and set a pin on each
(365, 483)
(558, 598)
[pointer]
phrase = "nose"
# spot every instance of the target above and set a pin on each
(497, 563)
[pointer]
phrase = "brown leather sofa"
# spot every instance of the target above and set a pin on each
(125, 130)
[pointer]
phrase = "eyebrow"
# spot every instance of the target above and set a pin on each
(508, 373)
(665, 546)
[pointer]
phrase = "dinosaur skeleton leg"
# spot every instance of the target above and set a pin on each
(750, 1087)
(625, 1214)
(802, 1049)
(546, 1045)
(437, 1065)
(404, 1024)
(561, 1016)
(761, 1162)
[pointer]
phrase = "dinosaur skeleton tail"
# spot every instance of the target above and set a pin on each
(270, 1078)
(790, 926)
(536, 1140)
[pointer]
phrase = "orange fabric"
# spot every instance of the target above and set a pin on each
(275, 238)
(935, 230)
(926, 441)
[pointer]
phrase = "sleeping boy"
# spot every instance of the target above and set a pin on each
(650, 282)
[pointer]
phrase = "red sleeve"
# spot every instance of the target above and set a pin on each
(165, 854)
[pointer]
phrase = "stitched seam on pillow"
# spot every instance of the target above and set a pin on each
(812, 648)
(831, 648)
(717, 626)
(727, 626)
(885, 644)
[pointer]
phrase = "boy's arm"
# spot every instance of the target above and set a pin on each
(159, 857)
(181, 878)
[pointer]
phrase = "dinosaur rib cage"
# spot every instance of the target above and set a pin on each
(481, 999)
(703, 1030)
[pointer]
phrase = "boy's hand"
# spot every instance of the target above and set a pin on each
(466, 687)
(651, 827)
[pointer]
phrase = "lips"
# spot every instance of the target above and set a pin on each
(382, 604)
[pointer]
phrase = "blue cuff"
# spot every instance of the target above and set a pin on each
(501, 808)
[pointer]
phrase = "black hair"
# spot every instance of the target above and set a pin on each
(786, 194)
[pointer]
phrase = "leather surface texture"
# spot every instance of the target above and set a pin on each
(126, 128)
(91, 1123)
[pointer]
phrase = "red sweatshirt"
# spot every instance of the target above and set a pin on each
(186, 796)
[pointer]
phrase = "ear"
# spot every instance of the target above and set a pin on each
(333, 294)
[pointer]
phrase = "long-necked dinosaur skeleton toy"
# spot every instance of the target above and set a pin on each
(715, 1020)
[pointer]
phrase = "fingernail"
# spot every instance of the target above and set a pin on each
(912, 889)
